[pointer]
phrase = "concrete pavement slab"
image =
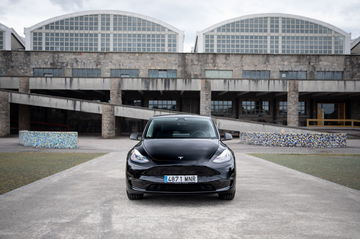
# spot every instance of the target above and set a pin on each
(89, 201)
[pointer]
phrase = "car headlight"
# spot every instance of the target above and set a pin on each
(223, 157)
(137, 157)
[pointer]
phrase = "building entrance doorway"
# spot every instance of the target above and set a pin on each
(330, 111)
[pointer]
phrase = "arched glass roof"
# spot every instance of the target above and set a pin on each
(274, 34)
(104, 31)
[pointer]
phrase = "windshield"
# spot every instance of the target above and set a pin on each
(181, 127)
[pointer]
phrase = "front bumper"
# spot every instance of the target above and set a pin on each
(212, 178)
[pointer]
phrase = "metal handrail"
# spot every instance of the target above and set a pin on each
(344, 121)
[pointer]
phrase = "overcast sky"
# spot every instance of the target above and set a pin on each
(187, 15)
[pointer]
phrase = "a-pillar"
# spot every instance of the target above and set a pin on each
(293, 103)
(4, 114)
(24, 110)
(205, 98)
(107, 122)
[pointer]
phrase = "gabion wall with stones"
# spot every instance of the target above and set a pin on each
(311, 140)
(54, 140)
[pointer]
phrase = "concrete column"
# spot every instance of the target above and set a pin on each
(205, 97)
(107, 122)
(115, 91)
(24, 110)
(24, 84)
(293, 103)
(4, 114)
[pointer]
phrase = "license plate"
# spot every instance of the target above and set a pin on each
(180, 179)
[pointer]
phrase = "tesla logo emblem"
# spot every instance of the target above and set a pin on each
(180, 157)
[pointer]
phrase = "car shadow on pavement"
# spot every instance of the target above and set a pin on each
(182, 200)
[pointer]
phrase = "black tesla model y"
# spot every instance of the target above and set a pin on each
(180, 154)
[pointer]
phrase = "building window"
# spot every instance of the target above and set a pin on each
(265, 107)
(2, 40)
(48, 72)
(329, 75)
(218, 73)
(255, 107)
(302, 109)
(283, 107)
(293, 75)
(162, 104)
(248, 107)
(37, 41)
(256, 75)
(221, 108)
(162, 73)
(124, 73)
(136, 103)
(86, 72)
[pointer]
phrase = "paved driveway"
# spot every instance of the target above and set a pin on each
(89, 201)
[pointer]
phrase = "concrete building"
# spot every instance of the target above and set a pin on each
(190, 87)
(274, 87)
(273, 33)
(10, 40)
(355, 46)
(105, 31)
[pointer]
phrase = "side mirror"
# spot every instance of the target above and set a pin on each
(227, 136)
(134, 136)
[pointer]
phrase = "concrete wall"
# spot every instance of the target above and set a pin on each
(188, 65)
(146, 84)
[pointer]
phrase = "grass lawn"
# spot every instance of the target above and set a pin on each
(18, 169)
(339, 168)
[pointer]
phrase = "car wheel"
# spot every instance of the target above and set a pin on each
(135, 196)
(227, 196)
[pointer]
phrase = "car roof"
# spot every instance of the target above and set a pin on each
(180, 115)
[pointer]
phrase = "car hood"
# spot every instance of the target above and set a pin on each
(166, 150)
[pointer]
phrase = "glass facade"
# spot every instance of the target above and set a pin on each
(274, 35)
(48, 72)
(162, 104)
(86, 72)
(256, 75)
(105, 32)
(162, 73)
(329, 75)
(124, 73)
(2, 35)
(251, 107)
(283, 107)
(221, 107)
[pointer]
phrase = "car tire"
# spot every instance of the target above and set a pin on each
(135, 196)
(227, 196)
